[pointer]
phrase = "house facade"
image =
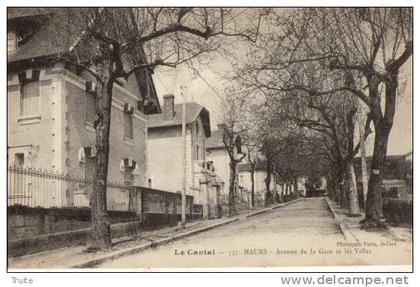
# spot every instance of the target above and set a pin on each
(218, 155)
(165, 158)
(260, 174)
(51, 105)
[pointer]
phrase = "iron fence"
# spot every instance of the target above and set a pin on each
(43, 188)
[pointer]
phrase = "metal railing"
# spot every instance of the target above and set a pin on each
(40, 187)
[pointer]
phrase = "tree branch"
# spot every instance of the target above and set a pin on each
(394, 65)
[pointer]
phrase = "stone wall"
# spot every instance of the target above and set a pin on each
(26, 222)
(52, 241)
(37, 229)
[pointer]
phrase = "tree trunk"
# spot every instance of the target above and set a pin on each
(353, 201)
(332, 193)
(363, 162)
(282, 192)
(268, 176)
(232, 210)
(383, 127)
(101, 233)
(337, 187)
(374, 196)
(344, 195)
(333, 187)
(343, 189)
(252, 185)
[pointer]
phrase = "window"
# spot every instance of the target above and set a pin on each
(128, 125)
(19, 159)
(29, 98)
(90, 110)
(19, 155)
(197, 152)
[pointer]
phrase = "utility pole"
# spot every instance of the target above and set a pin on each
(363, 159)
(184, 159)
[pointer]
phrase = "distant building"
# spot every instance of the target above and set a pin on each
(260, 174)
(51, 111)
(218, 155)
(408, 160)
(397, 173)
(300, 184)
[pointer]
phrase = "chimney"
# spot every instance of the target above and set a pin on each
(168, 107)
(221, 126)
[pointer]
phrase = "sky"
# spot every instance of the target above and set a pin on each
(207, 89)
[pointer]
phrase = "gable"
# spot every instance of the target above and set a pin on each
(193, 111)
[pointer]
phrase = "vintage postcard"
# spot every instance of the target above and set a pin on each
(141, 138)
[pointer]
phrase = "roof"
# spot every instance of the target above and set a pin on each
(216, 140)
(259, 165)
(45, 41)
(50, 40)
(193, 111)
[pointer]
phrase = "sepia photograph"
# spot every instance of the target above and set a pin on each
(145, 138)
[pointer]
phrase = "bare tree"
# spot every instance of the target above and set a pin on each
(302, 157)
(329, 113)
(113, 43)
(233, 130)
(372, 45)
(252, 145)
(359, 50)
